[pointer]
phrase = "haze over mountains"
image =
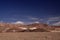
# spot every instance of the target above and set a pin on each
(57, 24)
(30, 20)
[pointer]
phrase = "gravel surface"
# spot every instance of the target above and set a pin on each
(30, 36)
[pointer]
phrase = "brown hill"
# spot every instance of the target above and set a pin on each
(31, 27)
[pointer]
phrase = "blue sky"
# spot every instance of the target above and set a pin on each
(28, 10)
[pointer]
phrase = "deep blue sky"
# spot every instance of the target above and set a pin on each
(22, 10)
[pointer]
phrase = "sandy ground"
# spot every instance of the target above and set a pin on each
(30, 36)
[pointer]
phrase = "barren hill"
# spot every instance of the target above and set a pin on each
(37, 27)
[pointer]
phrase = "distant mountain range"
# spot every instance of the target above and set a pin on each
(20, 27)
(29, 25)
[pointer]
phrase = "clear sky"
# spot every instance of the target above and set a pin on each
(28, 10)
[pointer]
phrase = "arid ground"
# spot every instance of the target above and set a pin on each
(30, 36)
